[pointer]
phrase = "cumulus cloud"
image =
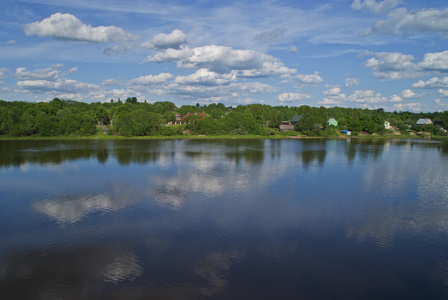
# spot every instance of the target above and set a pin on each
(170, 54)
(49, 73)
(443, 93)
(151, 79)
(409, 94)
(206, 77)
(396, 98)
(402, 21)
(374, 7)
(309, 79)
(292, 97)
(172, 40)
(334, 97)
(333, 91)
(392, 65)
(349, 82)
(437, 61)
(68, 27)
(434, 82)
(222, 59)
(367, 96)
(50, 79)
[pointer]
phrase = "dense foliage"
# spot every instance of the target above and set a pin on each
(132, 118)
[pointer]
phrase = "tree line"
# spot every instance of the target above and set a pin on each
(132, 118)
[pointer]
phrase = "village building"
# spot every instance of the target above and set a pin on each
(332, 122)
(286, 126)
(423, 122)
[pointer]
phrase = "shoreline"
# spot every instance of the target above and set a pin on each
(241, 137)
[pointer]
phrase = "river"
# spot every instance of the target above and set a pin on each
(224, 219)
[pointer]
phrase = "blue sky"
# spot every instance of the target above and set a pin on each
(390, 54)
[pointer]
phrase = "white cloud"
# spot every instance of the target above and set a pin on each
(333, 91)
(396, 98)
(227, 93)
(409, 94)
(50, 80)
(392, 65)
(440, 102)
(333, 100)
(170, 54)
(206, 77)
(432, 83)
(151, 79)
(292, 97)
(309, 79)
(367, 96)
(49, 73)
(415, 107)
(109, 82)
(372, 6)
(164, 41)
(402, 21)
(437, 61)
(68, 27)
(60, 85)
(293, 49)
(349, 82)
(221, 59)
(443, 93)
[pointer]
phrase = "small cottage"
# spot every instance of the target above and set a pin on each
(423, 122)
(387, 125)
(286, 126)
(332, 122)
(295, 119)
(346, 132)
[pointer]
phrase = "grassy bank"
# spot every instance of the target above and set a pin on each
(291, 135)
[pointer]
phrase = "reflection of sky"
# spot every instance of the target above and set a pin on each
(202, 209)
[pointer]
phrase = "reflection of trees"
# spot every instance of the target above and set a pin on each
(313, 151)
(364, 148)
(15, 153)
(136, 151)
(102, 151)
(308, 157)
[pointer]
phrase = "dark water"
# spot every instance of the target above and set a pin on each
(224, 219)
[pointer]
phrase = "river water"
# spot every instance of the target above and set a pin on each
(224, 219)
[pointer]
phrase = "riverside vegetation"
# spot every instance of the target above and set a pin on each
(130, 118)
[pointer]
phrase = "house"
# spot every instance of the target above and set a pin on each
(189, 114)
(423, 122)
(286, 126)
(332, 122)
(346, 132)
(387, 125)
(295, 119)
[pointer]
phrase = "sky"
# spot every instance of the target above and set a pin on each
(390, 54)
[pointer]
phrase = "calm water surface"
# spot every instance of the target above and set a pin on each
(224, 219)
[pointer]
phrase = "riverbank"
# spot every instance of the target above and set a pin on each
(271, 137)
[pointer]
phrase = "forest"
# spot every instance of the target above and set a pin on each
(130, 118)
